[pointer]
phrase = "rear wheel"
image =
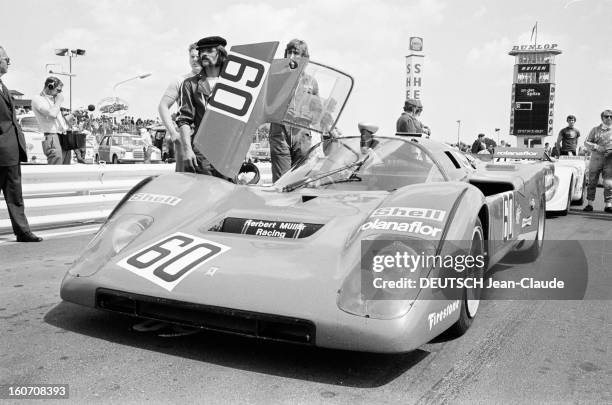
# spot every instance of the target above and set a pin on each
(97, 158)
(115, 160)
(470, 300)
(570, 192)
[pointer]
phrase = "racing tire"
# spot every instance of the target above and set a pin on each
(570, 192)
(97, 158)
(115, 160)
(584, 192)
(470, 300)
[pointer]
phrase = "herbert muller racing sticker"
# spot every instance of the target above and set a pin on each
(170, 260)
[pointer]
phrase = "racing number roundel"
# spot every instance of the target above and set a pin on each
(239, 85)
(168, 261)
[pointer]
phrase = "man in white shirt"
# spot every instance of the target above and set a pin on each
(146, 139)
(47, 109)
(170, 97)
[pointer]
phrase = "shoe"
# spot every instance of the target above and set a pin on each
(28, 237)
(588, 208)
(608, 210)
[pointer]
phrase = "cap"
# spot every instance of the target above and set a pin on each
(412, 102)
(209, 42)
(479, 135)
(368, 127)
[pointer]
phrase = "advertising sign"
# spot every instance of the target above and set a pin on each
(532, 109)
(414, 76)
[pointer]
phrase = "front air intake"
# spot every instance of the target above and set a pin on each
(254, 324)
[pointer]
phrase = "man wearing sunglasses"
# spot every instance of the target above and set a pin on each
(47, 109)
(599, 142)
(12, 153)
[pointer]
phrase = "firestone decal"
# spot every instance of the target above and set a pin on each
(436, 317)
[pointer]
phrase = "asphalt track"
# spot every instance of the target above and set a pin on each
(516, 352)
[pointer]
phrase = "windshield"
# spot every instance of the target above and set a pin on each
(30, 124)
(389, 164)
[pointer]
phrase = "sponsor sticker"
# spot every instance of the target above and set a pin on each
(416, 227)
(436, 317)
(271, 229)
(170, 260)
(407, 212)
(526, 222)
(155, 198)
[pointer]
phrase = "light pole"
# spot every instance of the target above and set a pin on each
(459, 134)
(71, 53)
(497, 133)
(142, 76)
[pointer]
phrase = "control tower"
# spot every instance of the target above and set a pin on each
(533, 92)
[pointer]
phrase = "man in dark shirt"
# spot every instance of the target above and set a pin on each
(567, 142)
(193, 99)
(479, 144)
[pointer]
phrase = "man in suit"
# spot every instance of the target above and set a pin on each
(12, 152)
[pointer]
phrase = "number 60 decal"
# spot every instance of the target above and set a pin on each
(238, 87)
(168, 261)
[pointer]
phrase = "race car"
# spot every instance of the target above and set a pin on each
(569, 175)
(291, 261)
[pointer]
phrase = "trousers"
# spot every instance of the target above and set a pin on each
(601, 163)
(10, 184)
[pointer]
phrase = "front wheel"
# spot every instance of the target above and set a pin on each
(115, 160)
(584, 191)
(470, 300)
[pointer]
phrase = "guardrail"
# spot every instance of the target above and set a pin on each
(60, 195)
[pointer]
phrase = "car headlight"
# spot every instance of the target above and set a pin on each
(110, 240)
(383, 293)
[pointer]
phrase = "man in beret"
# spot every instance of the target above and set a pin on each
(408, 122)
(193, 98)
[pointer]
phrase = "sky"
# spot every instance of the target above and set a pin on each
(467, 72)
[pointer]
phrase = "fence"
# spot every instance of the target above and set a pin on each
(61, 195)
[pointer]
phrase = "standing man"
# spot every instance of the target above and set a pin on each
(47, 109)
(12, 153)
(567, 142)
(417, 114)
(479, 144)
(599, 142)
(547, 148)
(289, 144)
(193, 98)
(145, 136)
(171, 97)
(408, 122)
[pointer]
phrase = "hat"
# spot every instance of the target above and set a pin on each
(209, 42)
(479, 135)
(412, 102)
(368, 127)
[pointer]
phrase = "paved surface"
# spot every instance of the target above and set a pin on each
(515, 352)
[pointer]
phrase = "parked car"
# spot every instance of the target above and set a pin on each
(33, 137)
(124, 148)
